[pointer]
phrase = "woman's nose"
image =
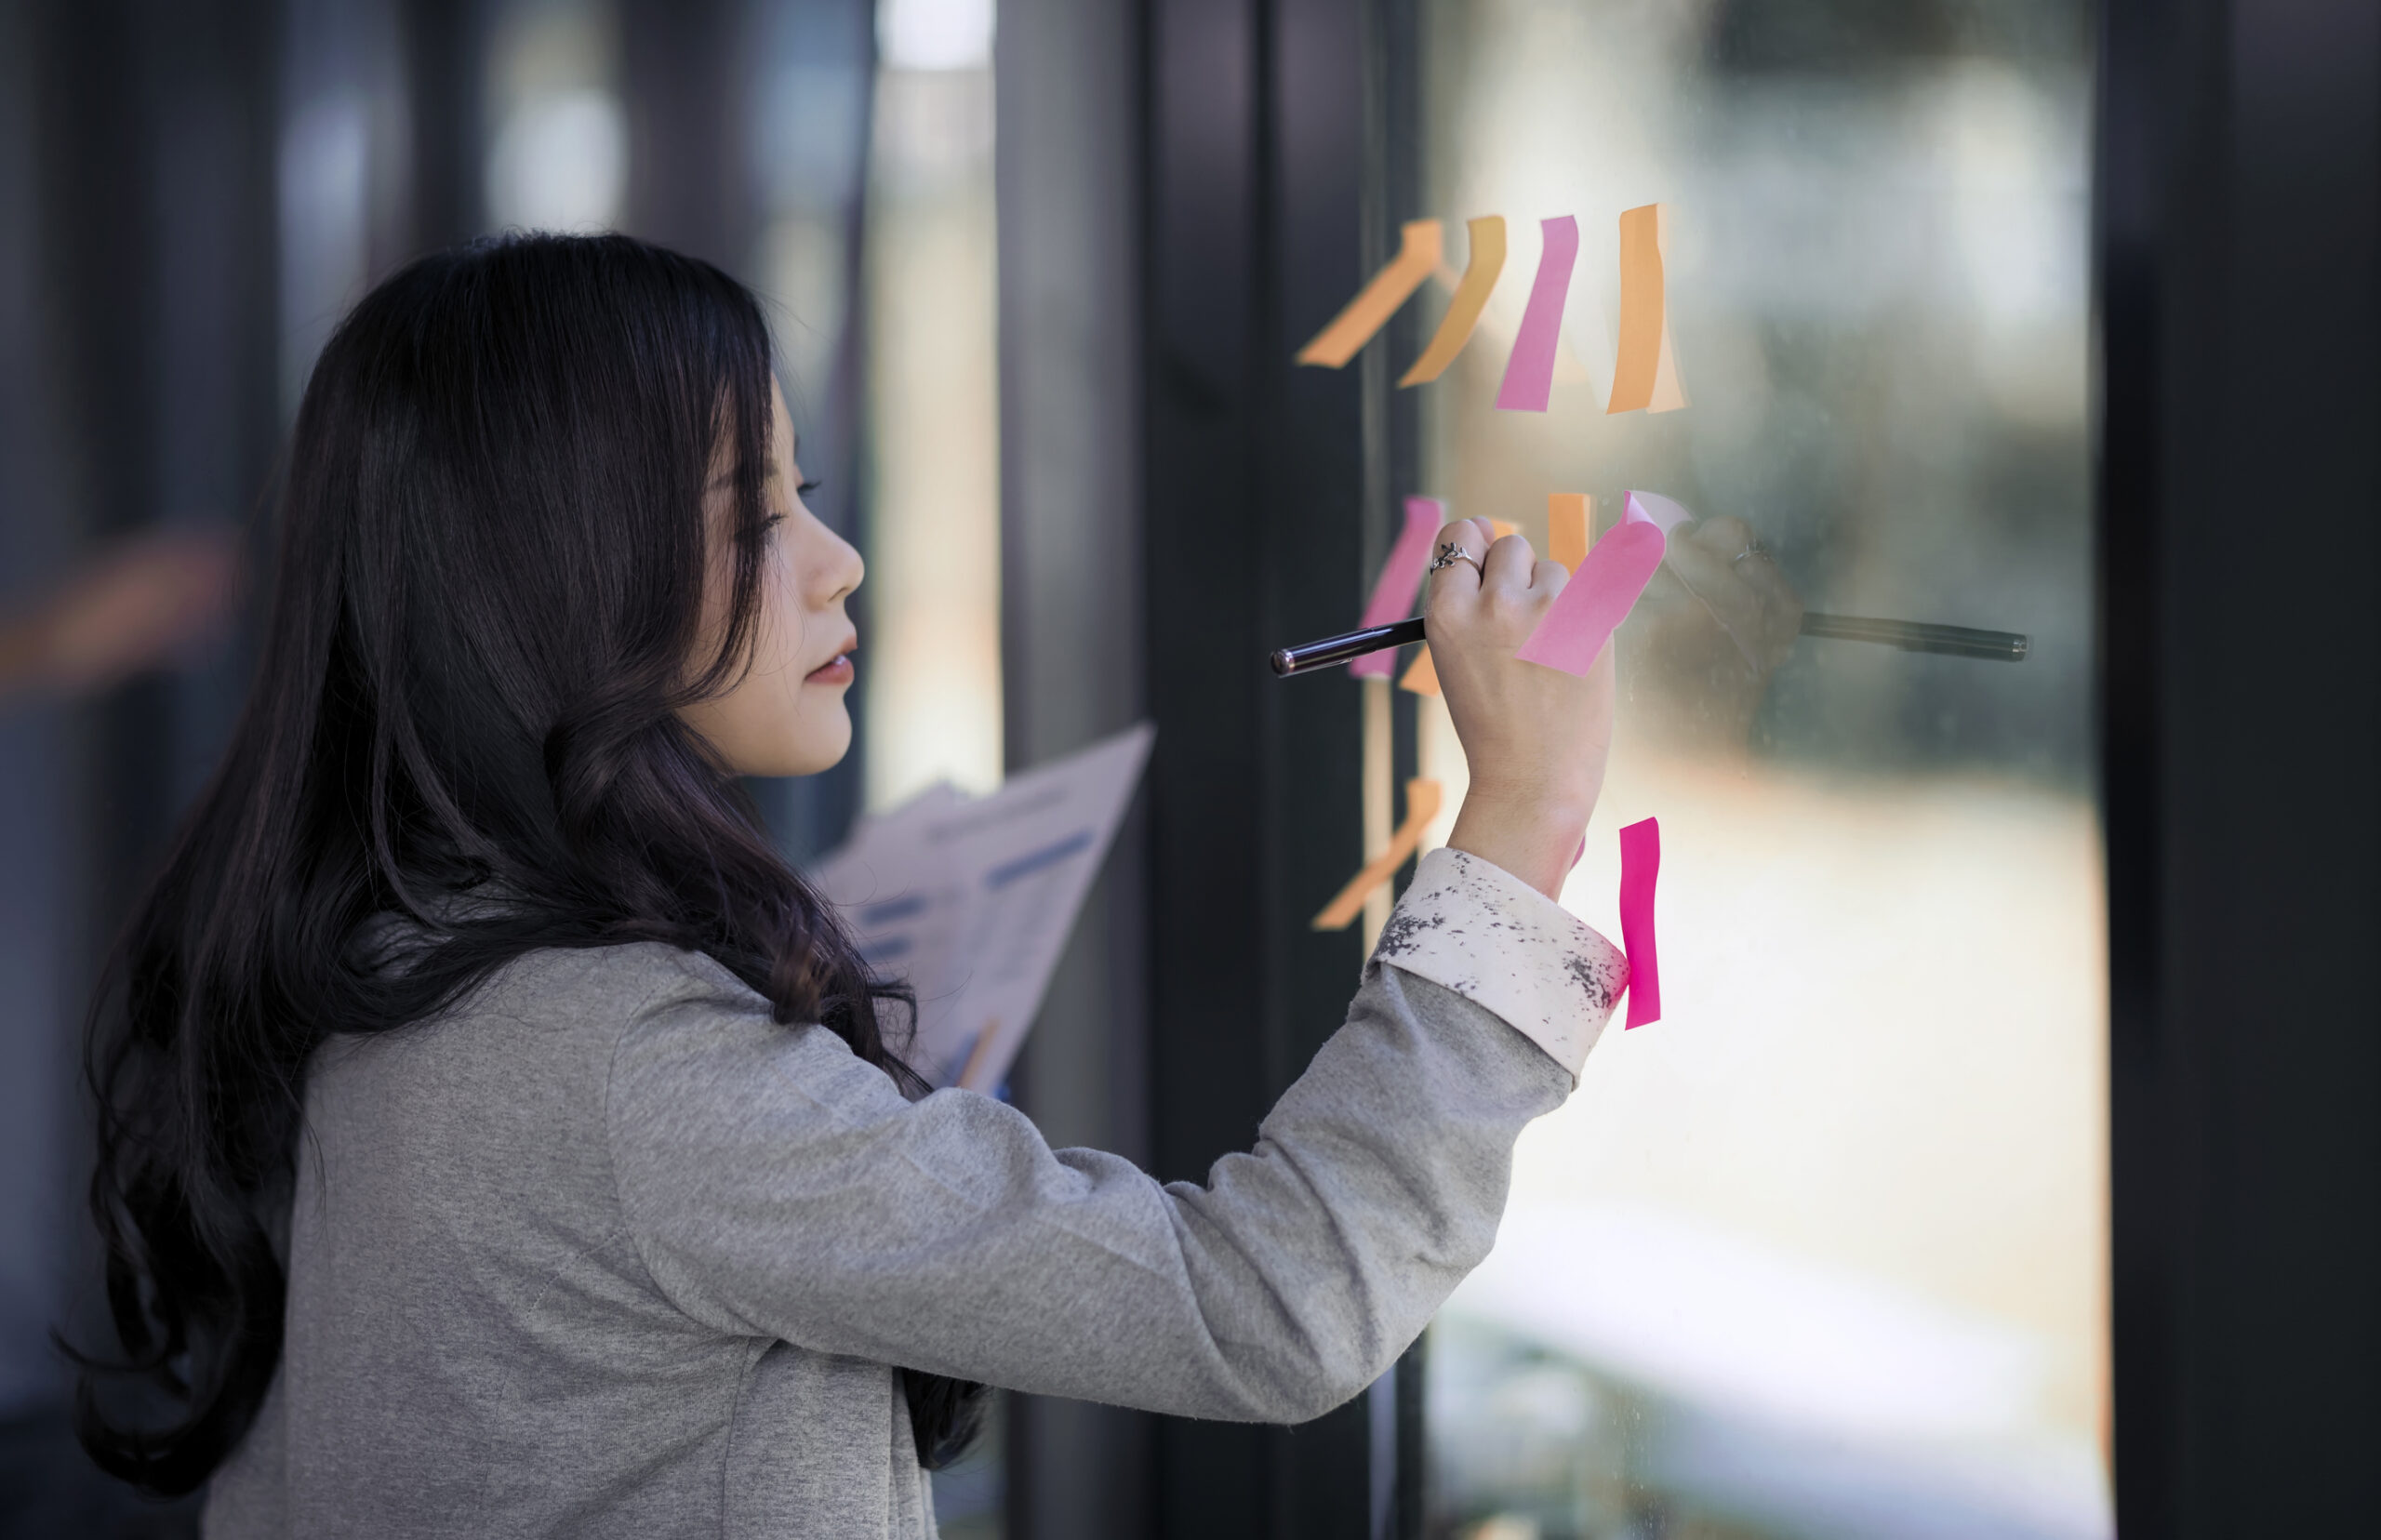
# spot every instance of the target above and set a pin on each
(839, 566)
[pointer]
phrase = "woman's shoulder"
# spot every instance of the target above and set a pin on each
(613, 986)
(552, 1019)
(621, 1028)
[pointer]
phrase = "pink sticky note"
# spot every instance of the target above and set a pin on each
(1598, 597)
(1401, 579)
(1641, 862)
(1529, 372)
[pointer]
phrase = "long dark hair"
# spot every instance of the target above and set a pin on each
(490, 578)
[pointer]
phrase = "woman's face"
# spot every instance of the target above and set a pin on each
(783, 716)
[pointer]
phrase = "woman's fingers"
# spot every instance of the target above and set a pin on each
(1509, 564)
(1535, 737)
(1451, 579)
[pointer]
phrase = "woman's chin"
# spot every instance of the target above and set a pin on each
(813, 738)
(818, 746)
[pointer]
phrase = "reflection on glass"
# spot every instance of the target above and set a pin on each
(932, 668)
(341, 170)
(1822, 1253)
(812, 118)
(559, 159)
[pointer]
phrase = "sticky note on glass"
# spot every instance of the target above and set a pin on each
(1599, 596)
(1470, 297)
(1569, 516)
(1417, 258)
(1640, 863)
(1400, 581)
(1421, 806)
(1529, 372)
(1422, 678)
(1644, 372)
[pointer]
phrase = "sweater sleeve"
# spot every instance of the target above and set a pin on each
(775, 1186)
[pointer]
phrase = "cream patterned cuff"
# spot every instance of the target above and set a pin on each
(1471, 926)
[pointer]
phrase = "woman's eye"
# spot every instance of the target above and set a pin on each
(806, 488)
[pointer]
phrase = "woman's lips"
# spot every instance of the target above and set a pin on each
(837, 670)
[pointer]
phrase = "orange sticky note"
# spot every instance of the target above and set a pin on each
(1499, 528)
(1645, 376)
(1421, 806)
(1417, 256)
(1568, 517)
(1470, 298)
(1422, 676)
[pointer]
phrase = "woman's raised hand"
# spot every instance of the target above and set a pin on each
(1536, 737)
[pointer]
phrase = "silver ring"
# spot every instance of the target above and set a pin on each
(1756, 548)
(1450, 553)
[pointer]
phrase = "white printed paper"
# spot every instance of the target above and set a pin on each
(971, 899)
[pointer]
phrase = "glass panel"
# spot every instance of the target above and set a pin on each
(1823, 1251)
(932, 668)
(931, 663)
(559, 158)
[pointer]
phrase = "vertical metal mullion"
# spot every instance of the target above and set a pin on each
(1374, 223)
(1392, 420)
(1255, 483)
(1388, 733)
(2241, 693)
(445, 46)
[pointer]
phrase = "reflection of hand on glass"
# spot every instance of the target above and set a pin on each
(127, 611)
(1712, 626)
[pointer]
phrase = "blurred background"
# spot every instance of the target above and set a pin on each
(191, 196)
(1823, 1253)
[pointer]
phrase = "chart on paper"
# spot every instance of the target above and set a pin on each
(970, 900)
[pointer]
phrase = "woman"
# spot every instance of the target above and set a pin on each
(498, 1139)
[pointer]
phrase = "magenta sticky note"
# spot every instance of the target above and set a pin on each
(1529, 372)
(1640, 863)
(1401, 579)
(1597, 599)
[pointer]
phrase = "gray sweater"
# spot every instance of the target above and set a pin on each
(604, 1251)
